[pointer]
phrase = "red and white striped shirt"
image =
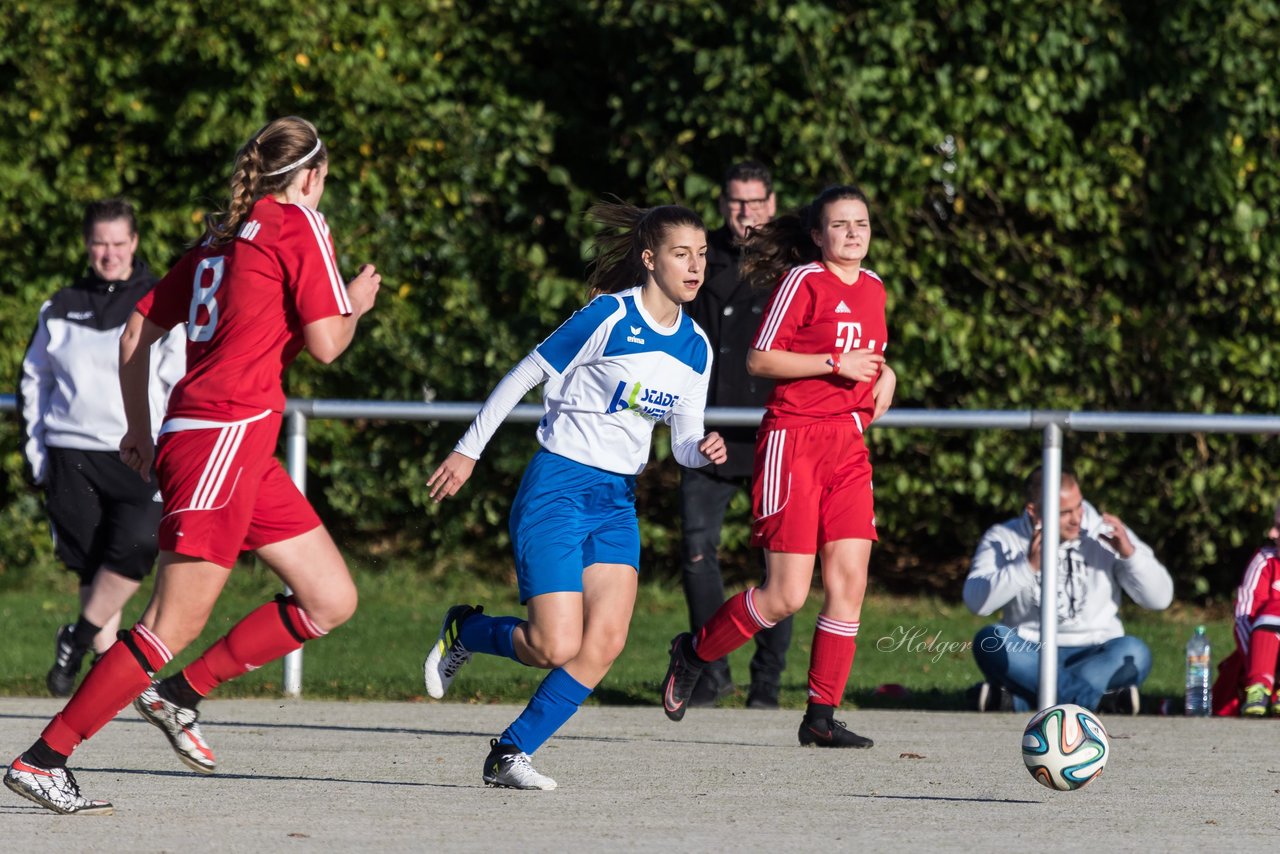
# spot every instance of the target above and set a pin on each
(813, 311)
(1258, 596)
(245, 304)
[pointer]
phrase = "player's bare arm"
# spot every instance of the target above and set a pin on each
(857, 365)
(328, 338)
(137, 449)
(882, 392)
(712, 447)
(450, 476)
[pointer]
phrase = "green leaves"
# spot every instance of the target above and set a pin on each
(1074, 207)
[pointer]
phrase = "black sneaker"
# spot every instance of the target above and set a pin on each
(1122, 701)
(682, 675)
(712, 685)
(61, 678)
(991, 698)
(830, 734)
(763, 695)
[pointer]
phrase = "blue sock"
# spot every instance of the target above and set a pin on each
(490, 635)
(555, 701)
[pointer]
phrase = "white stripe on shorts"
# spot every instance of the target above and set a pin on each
(215, 470)
(772, 498)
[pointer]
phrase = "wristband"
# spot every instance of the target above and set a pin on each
(835, 363)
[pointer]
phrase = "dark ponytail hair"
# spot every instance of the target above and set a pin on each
(627, 231)
(282, 143)
(787, 241)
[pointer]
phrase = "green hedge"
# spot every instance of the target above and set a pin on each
(1075, 208)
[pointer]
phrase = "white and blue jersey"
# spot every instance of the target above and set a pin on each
(611, 372)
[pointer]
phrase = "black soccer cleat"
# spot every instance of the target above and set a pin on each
(830, 733)
(682, 676)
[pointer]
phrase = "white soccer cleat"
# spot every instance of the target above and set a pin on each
(448, 655)
(52, 788)
(181, 726)
(508, 767)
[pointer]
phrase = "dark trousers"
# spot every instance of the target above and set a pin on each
(703, 501)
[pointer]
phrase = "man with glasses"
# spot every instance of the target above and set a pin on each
(1099, 666)
(729, 312)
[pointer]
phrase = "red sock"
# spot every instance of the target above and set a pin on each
(1264, 648)
(270, 632)
(122, 673)
(834, 643)
(735, 623)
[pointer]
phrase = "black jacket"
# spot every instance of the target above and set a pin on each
(730, 313)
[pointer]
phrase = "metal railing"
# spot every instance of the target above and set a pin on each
(1051, 422)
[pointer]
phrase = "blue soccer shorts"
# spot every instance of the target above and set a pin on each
(568, 516)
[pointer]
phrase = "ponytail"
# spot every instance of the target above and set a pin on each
(626, 232)
(264, 165)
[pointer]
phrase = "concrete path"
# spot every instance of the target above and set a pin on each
(330, 776)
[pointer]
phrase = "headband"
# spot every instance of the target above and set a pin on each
(295, 164)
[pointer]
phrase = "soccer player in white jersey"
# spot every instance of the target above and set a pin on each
(627, 360)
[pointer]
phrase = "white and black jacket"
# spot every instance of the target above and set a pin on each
(1090, 578)
(69, 391)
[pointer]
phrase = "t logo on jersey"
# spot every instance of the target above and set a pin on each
(848, 335)
(647, 402)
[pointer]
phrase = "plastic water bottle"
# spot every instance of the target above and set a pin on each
(1199, 698)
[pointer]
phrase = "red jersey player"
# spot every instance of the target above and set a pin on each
(260, 287)
(822, 339)
(1247, 678)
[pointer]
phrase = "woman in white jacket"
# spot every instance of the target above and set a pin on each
(103, 516)
(1098, 558)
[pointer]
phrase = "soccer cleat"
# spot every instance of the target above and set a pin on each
(181, 726)
(66, 664)
(508, 767)
(682, 676)
(830, 733)
(448, 655)
(52, 788)
(1257, 700)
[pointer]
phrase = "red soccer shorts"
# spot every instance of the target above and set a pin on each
(812, 486)
(224, 491)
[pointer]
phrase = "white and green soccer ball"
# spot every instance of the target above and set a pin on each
(1065, 747)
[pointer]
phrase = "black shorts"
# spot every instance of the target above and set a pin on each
(102, 514)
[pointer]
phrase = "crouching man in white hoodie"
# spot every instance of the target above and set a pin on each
(1098, 557)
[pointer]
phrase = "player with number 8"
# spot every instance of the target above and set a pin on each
(261, 286)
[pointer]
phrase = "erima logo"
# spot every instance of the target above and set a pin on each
(842, 308)
(157, 497)
(79, 315)
(634, 337)
(250, 230)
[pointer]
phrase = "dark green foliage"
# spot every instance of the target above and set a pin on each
(1075, 208)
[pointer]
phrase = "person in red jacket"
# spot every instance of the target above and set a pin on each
(262, 286)
(1246, 682)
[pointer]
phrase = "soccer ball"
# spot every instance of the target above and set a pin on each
(1065, 747)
